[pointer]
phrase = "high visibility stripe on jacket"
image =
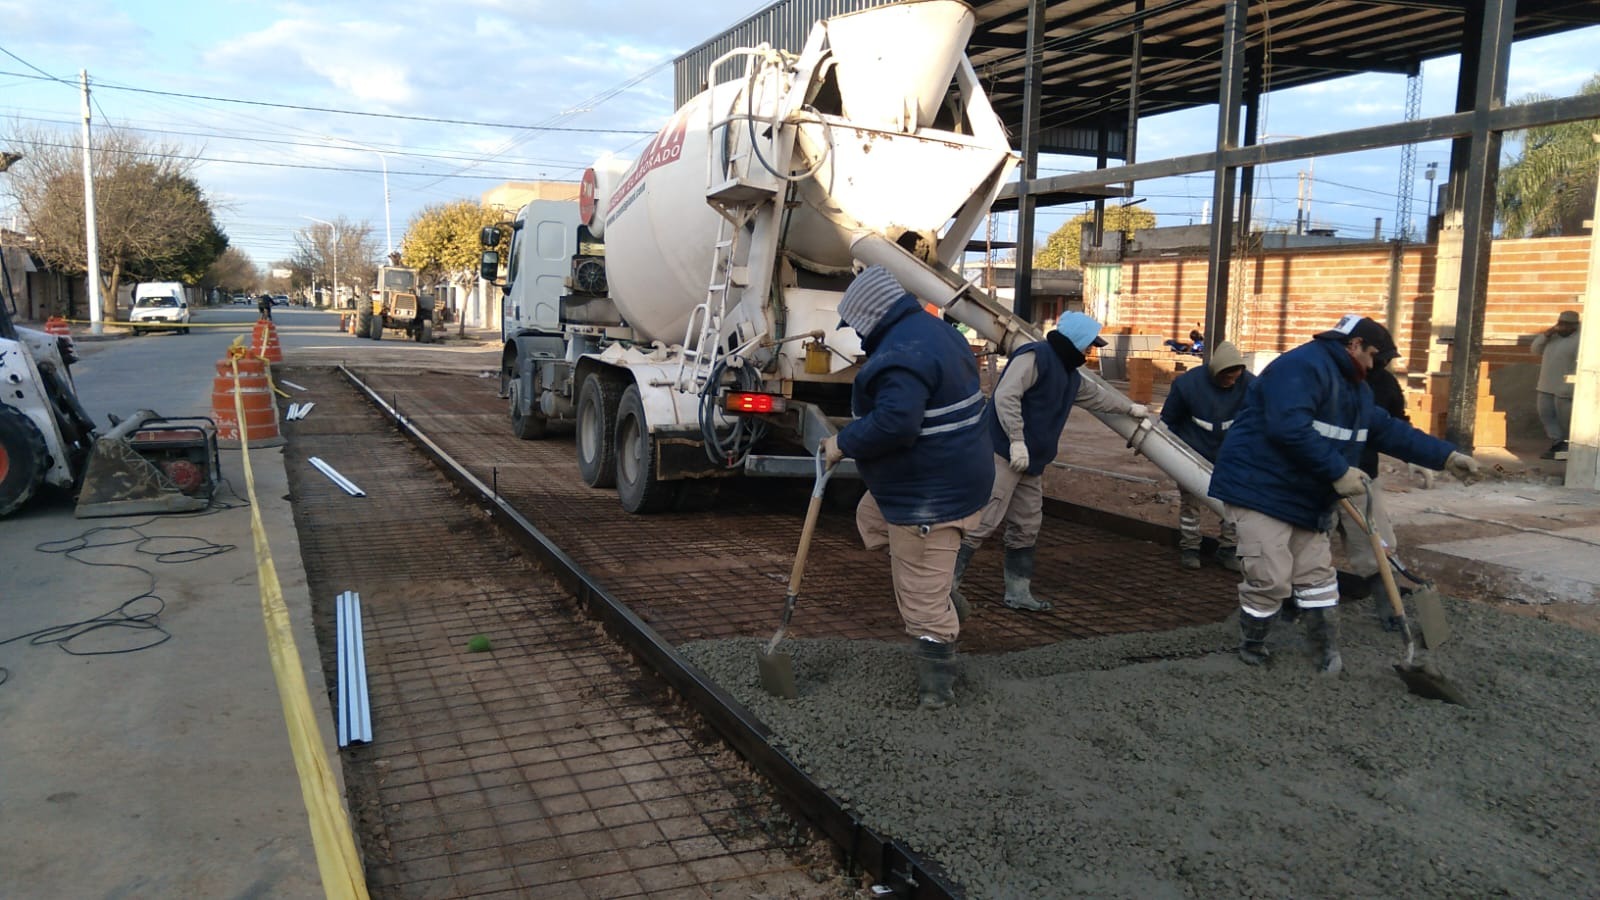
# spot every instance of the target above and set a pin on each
(1199, 412)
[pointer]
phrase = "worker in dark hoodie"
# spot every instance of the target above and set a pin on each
(1041, 382)
(919, 443)
(1199, 409)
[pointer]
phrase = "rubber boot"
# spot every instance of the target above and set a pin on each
(1253, 638)
(936, 674)
(1019, 581)
(1322, 630)
(1228, 558)
(957, 599)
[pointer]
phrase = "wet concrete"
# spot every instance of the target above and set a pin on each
(1157, 765)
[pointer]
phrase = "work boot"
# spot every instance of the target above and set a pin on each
(957, 599)
(1228, 558)
(1189, 559)
(1322, 629)
(936, 674)
(1253, 638)
(1019, 581)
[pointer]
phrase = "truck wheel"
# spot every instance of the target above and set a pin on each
(597, 425)
(363, 323)
(22, 459)
(531, 425)
(375, 328)
(426, 333)
(637, 485)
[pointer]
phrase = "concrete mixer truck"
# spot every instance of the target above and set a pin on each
(682, 314)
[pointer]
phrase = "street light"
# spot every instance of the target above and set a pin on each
(335, 255)
(1430, 173)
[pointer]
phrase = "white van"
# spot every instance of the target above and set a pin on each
(160, 301)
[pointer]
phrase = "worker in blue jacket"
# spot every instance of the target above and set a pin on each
(1293, 451)
(1199, 409)
(1032, 400)
(919, 442)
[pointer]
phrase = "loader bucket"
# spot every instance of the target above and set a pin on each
(150, 465)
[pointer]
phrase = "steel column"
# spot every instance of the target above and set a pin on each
(1223, 185)
(1022, 288)
(1483, 159)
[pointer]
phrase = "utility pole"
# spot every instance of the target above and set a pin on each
(92, 241)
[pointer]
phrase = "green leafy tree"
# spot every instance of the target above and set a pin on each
(1548, 188)
(152, 220)
(1063, 249)
(442, 239)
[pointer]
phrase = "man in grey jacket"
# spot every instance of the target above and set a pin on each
(1557, 349)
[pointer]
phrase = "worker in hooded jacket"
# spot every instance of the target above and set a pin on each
(1200, 408)
(919, 443)
(1032, 400)
(1293, 451)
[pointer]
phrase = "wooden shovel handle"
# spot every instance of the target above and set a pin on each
(1380, 555)
(812, 510)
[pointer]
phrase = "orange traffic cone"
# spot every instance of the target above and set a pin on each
(264, 341)
(260, 425)
(56, 325)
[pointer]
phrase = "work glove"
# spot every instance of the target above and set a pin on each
(1353, 483)
(1139, 411)
(830, 449)
(1462, 466)
(1019, 456)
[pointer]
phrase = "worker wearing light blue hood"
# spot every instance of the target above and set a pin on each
(919, 442)
(1032, 400)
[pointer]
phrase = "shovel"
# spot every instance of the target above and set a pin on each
(1421, 679)
(777, 669)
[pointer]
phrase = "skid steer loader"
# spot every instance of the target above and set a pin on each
(145, 464)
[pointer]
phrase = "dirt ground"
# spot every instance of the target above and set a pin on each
(1158, 765)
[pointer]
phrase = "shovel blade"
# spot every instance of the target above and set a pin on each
(1425, 682)
(1430, 616)
(777, 674)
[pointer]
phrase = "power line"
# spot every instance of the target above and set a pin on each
(326, 109)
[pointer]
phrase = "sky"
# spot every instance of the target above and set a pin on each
(308, 103)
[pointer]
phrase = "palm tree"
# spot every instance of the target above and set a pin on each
(1549, 188)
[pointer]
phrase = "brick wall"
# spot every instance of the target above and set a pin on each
(1289, 295)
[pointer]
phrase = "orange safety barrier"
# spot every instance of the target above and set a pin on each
(264, 341)
(56, 325)
(260, 424)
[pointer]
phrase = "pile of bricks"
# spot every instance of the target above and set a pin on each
(1431, 410)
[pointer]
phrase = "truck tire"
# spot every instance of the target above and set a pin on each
(363, 326)
(638, 488)
(375, 328)
(22, 459)
(425, 332)
(595, 436)
(530, 425)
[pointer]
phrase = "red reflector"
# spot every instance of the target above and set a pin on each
(754, 403)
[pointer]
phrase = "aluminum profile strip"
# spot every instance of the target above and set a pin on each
(290, 384)
(361, 705)
(293, 412)
(889, 860)
(344, 483)
(305, 410)
(341, 628)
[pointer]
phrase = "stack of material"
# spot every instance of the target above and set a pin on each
(1432, 410)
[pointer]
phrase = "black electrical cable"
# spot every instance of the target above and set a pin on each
(140, 613)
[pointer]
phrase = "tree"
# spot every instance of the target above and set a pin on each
(1063, 248)
(234, 270)
(1548, 189)
(354, 255)
(442, 240)
(152, 220)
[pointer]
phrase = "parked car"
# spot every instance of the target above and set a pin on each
(280, 299)
(160, 301)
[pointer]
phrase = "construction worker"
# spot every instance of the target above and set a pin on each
(1031, 404)
(264, 307)
(1291, 454)
(1200, 409)
(1557, 349)
(918, 439)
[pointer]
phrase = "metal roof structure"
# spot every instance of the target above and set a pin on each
(1077, 76)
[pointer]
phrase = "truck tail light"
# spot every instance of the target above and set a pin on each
(749, 402)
